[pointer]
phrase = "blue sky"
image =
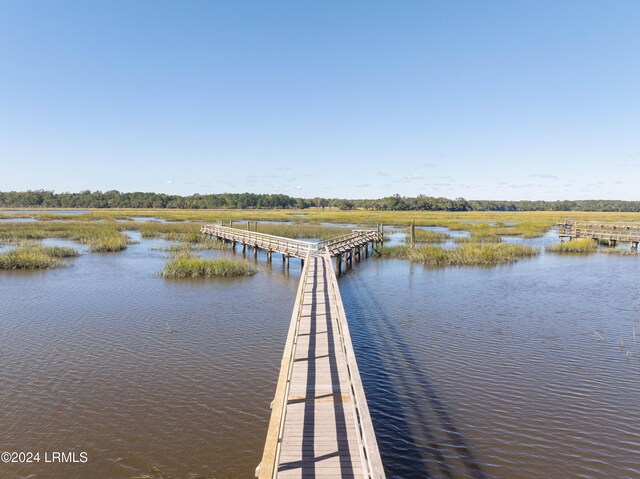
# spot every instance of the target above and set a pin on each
(479, 99)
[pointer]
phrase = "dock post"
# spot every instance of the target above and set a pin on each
(268, 256)
(255, 251)
(248, 223)
(231, 224)
(339, 260)
(413, 233)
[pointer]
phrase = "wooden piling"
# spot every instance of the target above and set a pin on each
(413, 233)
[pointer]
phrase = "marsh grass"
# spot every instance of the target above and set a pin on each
(207, 244)
(99, 236)
(35, 256)
(526, 224)
(483, 239)
(100, 224)
(188, 265)
(619, 251)
(583, 246)
(173, 248)
(426, 236)
(468, 254)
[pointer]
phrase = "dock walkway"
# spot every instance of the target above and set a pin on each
(320, 425)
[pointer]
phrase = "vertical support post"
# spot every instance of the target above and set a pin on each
(413, 233)
(339, 259)
(269, 256)
(248, 223)
(230, 223)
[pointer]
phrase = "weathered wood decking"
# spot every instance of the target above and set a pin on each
(320, 425)
(624, 233)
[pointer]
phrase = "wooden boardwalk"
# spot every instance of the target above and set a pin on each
(613, 233)
(345, 247)
(320, 425)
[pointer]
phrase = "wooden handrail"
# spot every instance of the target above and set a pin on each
(334, 243)
(366, 435)
(262, 236)
(590, 231)
(587, 224)
(268, 468)
(299, 246)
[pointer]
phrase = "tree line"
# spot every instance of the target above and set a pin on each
(116, 199)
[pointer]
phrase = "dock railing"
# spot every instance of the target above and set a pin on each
(289, 246)
(359, 235)
(372, 462)
(278, 243)
(606, 231)
(268, 468)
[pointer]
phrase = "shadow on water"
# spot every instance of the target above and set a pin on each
(403, 452)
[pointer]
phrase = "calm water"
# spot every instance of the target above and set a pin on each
(53, 212)
(508, 372)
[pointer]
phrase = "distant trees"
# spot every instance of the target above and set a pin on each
(116, 199)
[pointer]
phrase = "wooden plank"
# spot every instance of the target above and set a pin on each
(268, 466)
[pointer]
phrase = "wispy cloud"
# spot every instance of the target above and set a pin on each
(548, 177)
(413, 177)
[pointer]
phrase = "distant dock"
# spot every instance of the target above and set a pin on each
(611, 232)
